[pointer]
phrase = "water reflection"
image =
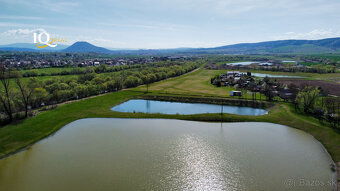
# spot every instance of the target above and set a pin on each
(166, 107)
(148, 106)
(273, 76)
(159, 154)
(202, 165)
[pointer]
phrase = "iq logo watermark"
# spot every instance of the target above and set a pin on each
(43, 40)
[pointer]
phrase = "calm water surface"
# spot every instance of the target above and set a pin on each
(166, 107)
(161, 154)
(273, 76)
(249, 63)
(241, 63)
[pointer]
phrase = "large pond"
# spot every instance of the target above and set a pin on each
(166, 107)
(161, 154)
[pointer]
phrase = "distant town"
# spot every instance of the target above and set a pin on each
(46, 60)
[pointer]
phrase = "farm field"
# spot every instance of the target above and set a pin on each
(48, 71)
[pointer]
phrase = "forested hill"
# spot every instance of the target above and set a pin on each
(330, 45)
(281, 46)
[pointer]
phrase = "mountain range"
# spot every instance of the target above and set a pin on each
(330, 45)
(30, 47)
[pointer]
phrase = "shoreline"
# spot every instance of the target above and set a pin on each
(336, 164)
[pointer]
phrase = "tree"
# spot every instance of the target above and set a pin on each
(266, 79)
(294, 91)
(132, 81)
(268, 91)
(97, 80)
(39, 96)
(101, 69)
(332, 106)
(118, 84)
(149, 78)
(307, 98)
(86, 77)
(6, 92)
(26, 90)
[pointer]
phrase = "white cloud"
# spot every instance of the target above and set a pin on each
(19, 35)
(60, 7)
(227, 8)
(21, 17)
(65, 7)
(312, 35)
(22, 32)
(151, 26)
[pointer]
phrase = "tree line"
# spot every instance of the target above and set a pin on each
(19, 95)
(103, 68)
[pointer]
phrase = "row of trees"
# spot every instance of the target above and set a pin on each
(18, 95)
(103, 68)
(308, 101)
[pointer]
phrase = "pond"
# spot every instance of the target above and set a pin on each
(167, 107)
(162, 154)
(261, 75)
(249, 63)
(289, 61)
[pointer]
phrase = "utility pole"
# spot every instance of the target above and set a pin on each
(222, 112)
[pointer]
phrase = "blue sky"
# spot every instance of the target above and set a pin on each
(169, 23)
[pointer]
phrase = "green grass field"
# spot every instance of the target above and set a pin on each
(48, 71)
(195, 83)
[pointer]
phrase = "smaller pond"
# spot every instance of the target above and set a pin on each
(249, 63)
(240, 63)
(273, 76)
(289, 61)
(166, 107)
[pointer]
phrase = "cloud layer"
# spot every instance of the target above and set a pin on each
(170, 24)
